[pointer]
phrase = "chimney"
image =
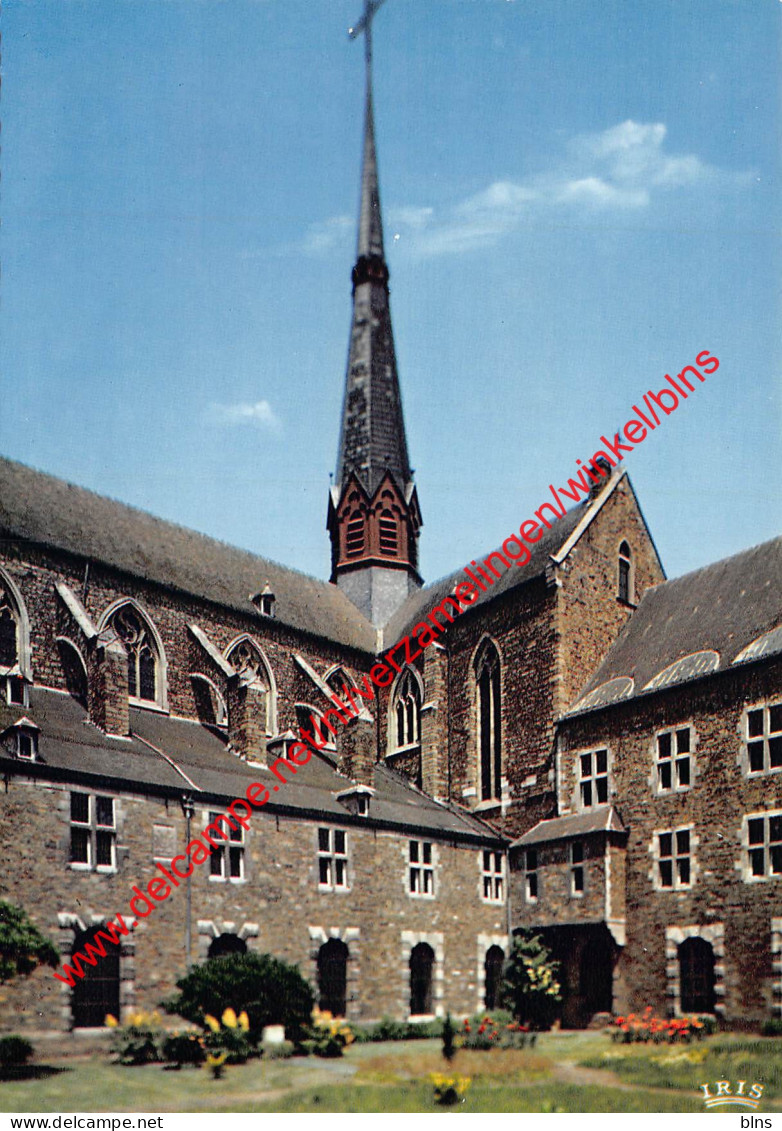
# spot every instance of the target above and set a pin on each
(357, 745)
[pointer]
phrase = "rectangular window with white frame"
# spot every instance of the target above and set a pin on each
(762, 729)
(531, 875)
(593, 778)
(421, 868)
(93, 833)
(577, 868)
(674, 753)
(763, 840)
(673, 858)
(492, 876)
(333, 859)
(227, 860)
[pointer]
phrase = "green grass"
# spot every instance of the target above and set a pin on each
(686, 1067)
(559, 1074)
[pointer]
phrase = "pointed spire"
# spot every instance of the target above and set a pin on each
(370, 225)
(374, 517)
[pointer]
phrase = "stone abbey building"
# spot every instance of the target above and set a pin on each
(587, 749)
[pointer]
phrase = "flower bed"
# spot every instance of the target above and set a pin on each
(647, 1026)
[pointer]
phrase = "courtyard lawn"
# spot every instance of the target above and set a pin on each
(569, 1072)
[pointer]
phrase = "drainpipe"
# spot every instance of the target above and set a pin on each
(188, 808)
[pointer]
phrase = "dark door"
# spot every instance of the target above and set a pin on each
(97, 993)
(333, 977)
(421, 963)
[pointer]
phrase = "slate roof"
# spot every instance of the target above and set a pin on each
(176, 756)
(419, 604)
(576, 824)
(51, 512)
(719, 609)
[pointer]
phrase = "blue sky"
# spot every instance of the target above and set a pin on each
(579, 196)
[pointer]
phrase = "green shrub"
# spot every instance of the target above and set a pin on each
(271, 991)
(389, 1030)
(494, 1030)
(183, 1048)
(449, 1045)
(22, 946)
(328, 1035)
(229, 1037)
(530, 987)
(14, 1051)
(772, 1028)
(283, 1050)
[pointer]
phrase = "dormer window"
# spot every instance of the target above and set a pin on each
(357, 799)
(264, 601)
(23, 736)
(16, 691)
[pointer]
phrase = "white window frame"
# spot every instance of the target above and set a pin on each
(674, 859)
(420, 870)
(222, 852)
(675, 759)
(765, 846)
(531, 875)
(593, 778)
(332, 857)
(492, 878)
(766, 706)
(93, 828)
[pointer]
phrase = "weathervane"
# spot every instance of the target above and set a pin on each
(365, 25)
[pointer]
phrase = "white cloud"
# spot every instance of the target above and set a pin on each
(261, 414)
(328, 234)
(623, 168)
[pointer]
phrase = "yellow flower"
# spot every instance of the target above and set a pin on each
(244, 1020)
(111, 1021)
(215, 1059)
(229, 1018)
(212, 1022)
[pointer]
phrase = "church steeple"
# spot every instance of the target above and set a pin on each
(374, 517)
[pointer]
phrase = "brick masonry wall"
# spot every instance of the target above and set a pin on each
(278, 908)
(735, 913)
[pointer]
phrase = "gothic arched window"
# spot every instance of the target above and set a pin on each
(493, 965)
(355, 535)
(625, 585)
(487, 677)
(143, 661)
(406, 712)
(247, 660)
(14, 632)
(389, 534)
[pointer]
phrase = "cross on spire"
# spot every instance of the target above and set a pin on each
(365, 25)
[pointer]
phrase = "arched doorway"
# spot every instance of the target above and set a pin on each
(495, 960)
(696, 976)
(421, 964)
(97, 993)
(226, 944)
(333, 977)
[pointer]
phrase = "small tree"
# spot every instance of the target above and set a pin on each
(449, 1045)
(271, 991)
(22, 946)
(530, 988)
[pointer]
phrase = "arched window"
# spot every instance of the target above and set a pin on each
(495, 960)
(625, 585)
(333, 977)
(74, 669)
(421, 966)
(14, 631)
(210, 704)
(406, 712)
(389, 534)
(97, 993)
(355, 535)
(226, 944)
(145, 680)
(487, 676)
(696, 976)
(248, 661)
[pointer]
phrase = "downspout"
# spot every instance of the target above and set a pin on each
(189, 811)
